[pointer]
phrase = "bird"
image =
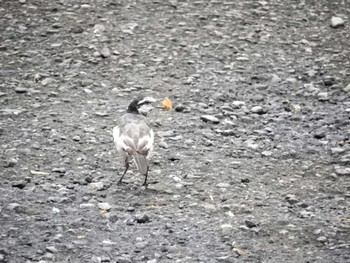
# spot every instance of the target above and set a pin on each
(134, 138)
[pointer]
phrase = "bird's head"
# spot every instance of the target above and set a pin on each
(138, 103)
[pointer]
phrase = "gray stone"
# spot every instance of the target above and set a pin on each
(250, 223)
(292, 199)
(323, 96)
(210, 118)
(337, 22)
(97, 186)
(322, 239)
(341, 170)
(21, 90)
(105, 52)
(142, 219)
(347, 88)
(87, 205)
(104, 206)
(258, 110)
(223, 185)
(237, 104)
(51, 249)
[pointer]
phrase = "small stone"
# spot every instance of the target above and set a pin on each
(328, 80)
(13, 206)
(86, 6)
(209, 207)
(101, 114)
(87, 206)
(98, 186)
(11, 163)
(130, 209)
(266, 153)
(258, 110)
(306, 214)
(55, 210)
(275, 79)
(284, 232)
(292, 199)
(223, 185)
(210, 118)
(320, 133)
(51, 249)
(322, 96)
(152, 261)
(19, 184)
(347, 88)
(105, 52)
(104, 206)
(22, 1)
(86, 82)
(124, 259)
(250, 223)
(142, 219)
(163, 144)
(340, 170)
(141, 245)
(182, 108)
(237, 104)
(21, 90)
(322, 239)
(61, 170)
(77, 30)
(76, 138)
(337, 22)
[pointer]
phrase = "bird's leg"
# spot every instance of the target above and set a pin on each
(126, 169)
(145, 182)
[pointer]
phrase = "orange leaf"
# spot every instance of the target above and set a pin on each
(167, 104)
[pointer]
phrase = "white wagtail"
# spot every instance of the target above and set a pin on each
(133, 138)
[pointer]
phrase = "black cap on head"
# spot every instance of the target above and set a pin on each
(134, 106)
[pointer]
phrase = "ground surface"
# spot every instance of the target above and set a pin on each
(264, 178)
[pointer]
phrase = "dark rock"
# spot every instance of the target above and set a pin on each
(142, 219)
(19, 184)
(250, 224)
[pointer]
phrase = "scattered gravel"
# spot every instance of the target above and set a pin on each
(252, 165)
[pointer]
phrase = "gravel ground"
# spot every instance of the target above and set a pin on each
(252, 165)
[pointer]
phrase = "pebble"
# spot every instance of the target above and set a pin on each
(182, 108)
(322, 96)
(210, 118)
(163, 144)
(250, 223)
(51, 249)
(104, 206)
(11, 163)
(266, 153)
(337, 22)
(292, 199)
(142, 218)
(258, 110)
(21, 90)
(347, 88)
(223, 185)
(124, 259)
(61, 170)
(19, 184)
(340, 170)
(105, 52)
(130, 209)
(87, 205)
(237, 104)
(322, 239)
(98, 186)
